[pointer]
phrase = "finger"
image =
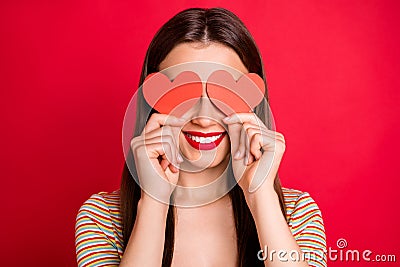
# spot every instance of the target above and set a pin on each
(254, 135)
(158, 120)
(248, 156)
(150, 154)
(264, 140)
(156, 147)
(242, 118)
(268, 143)
(157, 136)
(166, 164)
(162, 134)
(175, 133)
(256, 125)
(234, 131)
(252, 131)
(242, 145)
(166, 133)
(173, 168)
(166, 130)
(256, 145)
(168, 159)
(241, 151)
(252, 128)
(251, 159)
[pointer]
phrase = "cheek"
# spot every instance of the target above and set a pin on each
(182, 142)
(186, 150)
(226, 144)
(224, 148)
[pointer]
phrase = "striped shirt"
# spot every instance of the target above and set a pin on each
(98, 229)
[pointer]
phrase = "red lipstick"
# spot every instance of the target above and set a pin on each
(204, 141)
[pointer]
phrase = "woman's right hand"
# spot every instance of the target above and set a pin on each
(157, 158)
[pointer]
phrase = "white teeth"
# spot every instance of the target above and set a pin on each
(204, 140)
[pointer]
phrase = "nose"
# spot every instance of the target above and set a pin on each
(206, 114)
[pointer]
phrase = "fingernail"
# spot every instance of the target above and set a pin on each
(237, 155)
(226, 118)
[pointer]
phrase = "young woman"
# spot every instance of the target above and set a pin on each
(140, 225)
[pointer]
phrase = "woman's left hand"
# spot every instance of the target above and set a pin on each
(256, 151)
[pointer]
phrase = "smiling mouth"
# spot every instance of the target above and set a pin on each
(204, 141)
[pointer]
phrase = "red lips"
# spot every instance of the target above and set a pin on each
(204, 141)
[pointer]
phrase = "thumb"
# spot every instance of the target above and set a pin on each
(234, 131)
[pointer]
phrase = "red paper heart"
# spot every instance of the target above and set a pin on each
(224, 91)
(235, 96)
(172, 97)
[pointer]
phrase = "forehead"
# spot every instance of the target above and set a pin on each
(202, 59)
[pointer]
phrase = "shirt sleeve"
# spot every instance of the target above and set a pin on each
(308, 229)
(94, 236)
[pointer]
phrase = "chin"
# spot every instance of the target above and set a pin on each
(197, 159)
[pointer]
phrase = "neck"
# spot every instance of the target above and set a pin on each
(204, 187)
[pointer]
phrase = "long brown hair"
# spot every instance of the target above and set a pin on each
(199, 25)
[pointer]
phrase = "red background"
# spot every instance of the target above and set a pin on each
(68, 70)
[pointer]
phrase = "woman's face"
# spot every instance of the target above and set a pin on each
(203, 140)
